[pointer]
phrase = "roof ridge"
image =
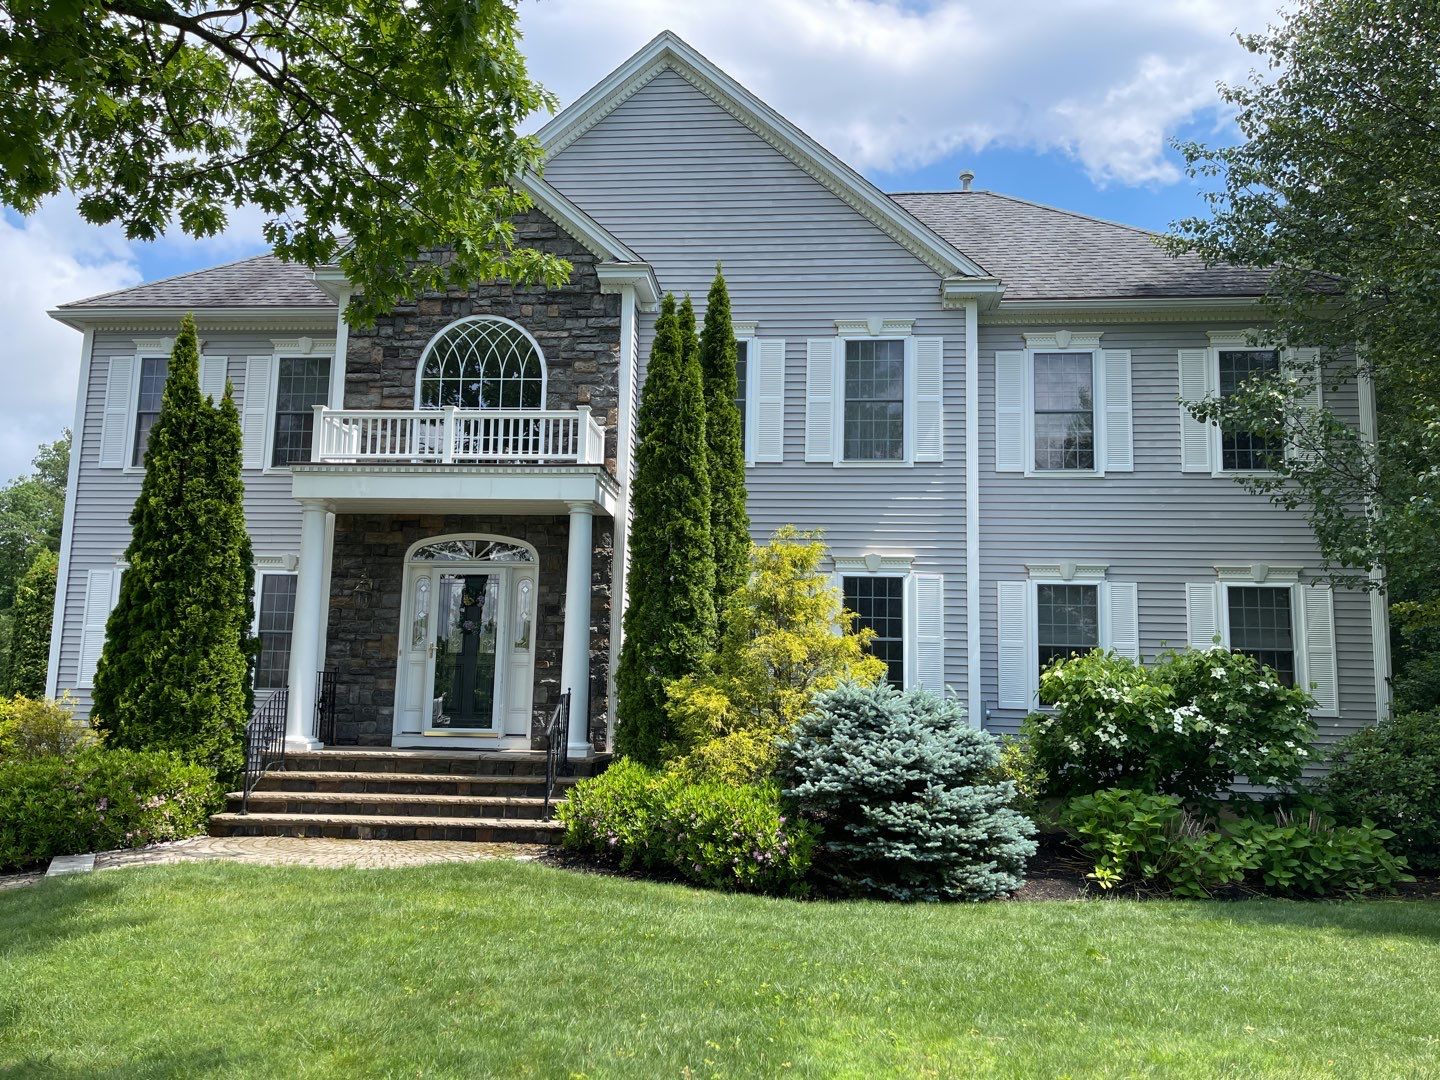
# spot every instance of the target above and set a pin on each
(171, 277)
(1042, 206)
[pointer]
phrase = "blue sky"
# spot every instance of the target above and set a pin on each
(1072, 103)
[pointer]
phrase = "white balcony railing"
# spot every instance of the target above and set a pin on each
(452, 435)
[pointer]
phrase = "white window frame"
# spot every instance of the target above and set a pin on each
(272, 566)
(145, 349)
(1233, 341)
(292, 349)
(1062, 573)
(848, 330)
(899, 567)
(1267, 577)
(745, 334)
(1065, 341)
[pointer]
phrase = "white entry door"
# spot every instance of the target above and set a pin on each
(466, 656)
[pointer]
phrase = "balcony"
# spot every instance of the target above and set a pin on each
(452, 436)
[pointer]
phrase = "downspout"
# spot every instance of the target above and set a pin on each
(974, 702)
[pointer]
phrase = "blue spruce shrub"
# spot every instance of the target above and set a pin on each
(902, 789)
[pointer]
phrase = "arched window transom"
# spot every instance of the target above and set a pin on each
(483, 362)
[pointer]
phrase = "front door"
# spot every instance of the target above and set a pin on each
(463, 676)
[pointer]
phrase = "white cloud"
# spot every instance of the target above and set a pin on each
(892, 86)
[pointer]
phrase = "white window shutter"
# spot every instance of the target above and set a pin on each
(1317, 612)
(1010, 411)
(1202, 614)
(769, 407)
(212, 377)
(102, 589)
(929, 399)
(1016, 663)
(1123, 611)
(1308, 366)
(1119, 423)
(115, 424)
(928, 603)
(820, 394)
(256, 410)
(1194, 434)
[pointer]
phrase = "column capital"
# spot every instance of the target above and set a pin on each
(587, 508)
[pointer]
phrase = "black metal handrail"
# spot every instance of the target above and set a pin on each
(557, 734)
(324, 726)
(264, 741)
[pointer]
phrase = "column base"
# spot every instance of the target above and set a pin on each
(579, 751)
(299, 744)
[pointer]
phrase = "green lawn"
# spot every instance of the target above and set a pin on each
(504, 969)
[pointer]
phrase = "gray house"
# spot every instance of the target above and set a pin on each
(975, 397)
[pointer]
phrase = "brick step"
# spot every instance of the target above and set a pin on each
(364, 827)
(409, 783)
(390, 805)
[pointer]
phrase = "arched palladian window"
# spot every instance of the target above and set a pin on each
(483, 362)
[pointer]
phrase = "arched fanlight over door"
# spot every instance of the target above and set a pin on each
(483, 362)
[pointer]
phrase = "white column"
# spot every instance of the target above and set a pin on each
(575, 660)
(310, 590)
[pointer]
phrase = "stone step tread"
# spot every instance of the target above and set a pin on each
(534, 779)
(418, 754)
(368, 820)
(262, 795)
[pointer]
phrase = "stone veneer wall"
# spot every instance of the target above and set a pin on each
(578, 329)
(362, 640)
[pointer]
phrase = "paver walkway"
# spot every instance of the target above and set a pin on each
(297, 851)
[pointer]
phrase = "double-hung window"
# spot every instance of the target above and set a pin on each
(742, 374)
(301, 383)
(1262, 625)
(873, 425)
(1242, 450)
(879, 603)
(1067, 621)
(276, 623)
(153, 372)
(1064, 396)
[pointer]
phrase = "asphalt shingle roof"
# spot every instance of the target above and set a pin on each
(259, 282)
(1041, 253)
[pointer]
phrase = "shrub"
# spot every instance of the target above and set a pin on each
(718, 835)
(741, 757)
(1153, 841)
(1019, 766)
(40, 727)
(96, 800)
(1186, 726)
(900, 787)
(1390, 774)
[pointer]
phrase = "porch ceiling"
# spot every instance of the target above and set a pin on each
(455, 489)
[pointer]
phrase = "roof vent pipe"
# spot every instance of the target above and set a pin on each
(966, 179)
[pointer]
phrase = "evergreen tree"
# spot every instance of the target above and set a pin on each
(175, 671)
(30, 626)
(670, 621)
(724, 445)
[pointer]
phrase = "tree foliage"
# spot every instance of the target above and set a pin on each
(1334, 189)
(786, 637)
(175, 670)
(32, 509)
(363, 129)
(31, 617)
(670, 621)
(724, 445)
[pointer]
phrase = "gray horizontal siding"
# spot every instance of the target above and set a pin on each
(687, 185)
(100, 530)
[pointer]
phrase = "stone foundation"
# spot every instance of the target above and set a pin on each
(362, 639)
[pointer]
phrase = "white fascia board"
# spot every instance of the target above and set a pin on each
(212, 317)
(506, 489)
(957, 290)
(667, 51)
(638, 275)
(1161, 309)
(598, 240)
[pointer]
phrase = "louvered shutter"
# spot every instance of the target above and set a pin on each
(820, 399)
(929, 399)
(1194, 434)
(1010, 411)
(1122, 602)
(212, 377)
(115, 424)
(928, 599)
(255, 413)
(1317, 613)
(1307, 366)
(769, 411)
(1013, 632)
(1202, 614)
(1119, 425)
(102, 589)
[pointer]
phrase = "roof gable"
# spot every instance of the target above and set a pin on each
(667, 52)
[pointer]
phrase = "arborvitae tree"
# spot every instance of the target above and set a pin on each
(30, 626)
(724, 446)
(670, 621)
(175, 671)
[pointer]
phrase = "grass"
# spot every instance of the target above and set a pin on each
(504, 969)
